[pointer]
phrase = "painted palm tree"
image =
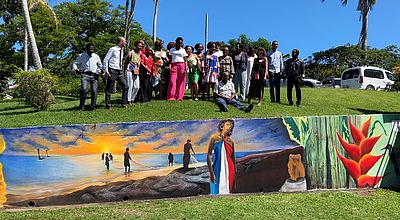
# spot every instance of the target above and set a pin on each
(155, 20)
(32, 4)
(364, 7)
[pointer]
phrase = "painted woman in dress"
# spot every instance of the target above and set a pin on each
(221, 159)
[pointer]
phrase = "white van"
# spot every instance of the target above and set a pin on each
(367, 77)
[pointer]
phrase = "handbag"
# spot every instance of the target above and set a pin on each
(131, 67)
(134, 69)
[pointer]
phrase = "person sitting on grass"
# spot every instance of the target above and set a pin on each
(225, 94)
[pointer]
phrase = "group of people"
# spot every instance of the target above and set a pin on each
(216, 74)
(108, 157)
(221, 159)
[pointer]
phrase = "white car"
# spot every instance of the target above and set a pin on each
(311, 83)
(367, 77)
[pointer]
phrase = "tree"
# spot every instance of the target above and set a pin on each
(10, 9)
(364, 7)
(29, 29)
(129, 12)
(32, 4)
(80, 22)
(155, 20)
(247, 42)
(333, 61)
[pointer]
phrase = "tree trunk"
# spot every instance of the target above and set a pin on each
(155, 20)
(28, 26)
(362, 42)
(26, 50)
(328, 156)
(128, 21)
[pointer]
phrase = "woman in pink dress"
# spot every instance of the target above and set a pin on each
(177, 78)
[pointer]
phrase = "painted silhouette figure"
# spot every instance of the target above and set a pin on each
(107, 161)
(111, 157)
(102, 156)
(40, 158)
(186, 153)
(221, 159)
(170, 159)
(127, 163)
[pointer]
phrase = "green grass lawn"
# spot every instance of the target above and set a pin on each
(322, 101)
(377, 204)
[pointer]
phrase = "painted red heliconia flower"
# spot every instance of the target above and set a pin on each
(361, 161)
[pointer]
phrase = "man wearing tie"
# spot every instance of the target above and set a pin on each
(89, 65)
(275, 60)
(113, 69)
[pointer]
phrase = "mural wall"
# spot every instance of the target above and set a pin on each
(114, 162)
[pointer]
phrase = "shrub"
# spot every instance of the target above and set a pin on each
(36, 88)
(68, 85)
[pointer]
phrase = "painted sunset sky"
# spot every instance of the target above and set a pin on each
(143, 137)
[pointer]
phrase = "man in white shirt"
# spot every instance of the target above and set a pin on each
(112, 65)
(225, 92)
(275, 60)
(88, 64)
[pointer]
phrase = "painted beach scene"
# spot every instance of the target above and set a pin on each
(81, 163)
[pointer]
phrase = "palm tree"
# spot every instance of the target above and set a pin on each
(128, 21)
(31, 35)
(155, 20)
(364, 7)
(31, 5)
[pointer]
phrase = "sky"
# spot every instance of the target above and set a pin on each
(308, 25)
(249, 135)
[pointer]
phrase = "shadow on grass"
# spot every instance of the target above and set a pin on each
(114, 103)
(19, 100)
(74, 108)
(18, 107)
(370, 111)
(19, 113)
(394, 189)
(67, 98)
(60, 100)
